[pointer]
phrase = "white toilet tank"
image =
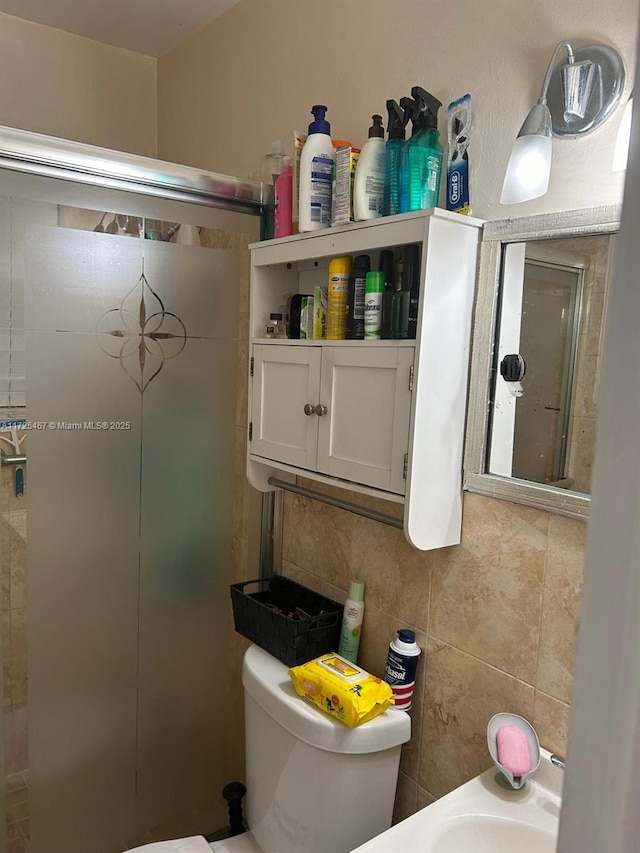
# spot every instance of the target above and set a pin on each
(313, 784)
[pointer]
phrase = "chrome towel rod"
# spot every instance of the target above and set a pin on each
(12, 460)
(336, 502)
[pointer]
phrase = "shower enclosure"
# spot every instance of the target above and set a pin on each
(124, 515)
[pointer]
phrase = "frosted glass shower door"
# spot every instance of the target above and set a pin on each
(131, 382)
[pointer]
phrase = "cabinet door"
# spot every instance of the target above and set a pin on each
(285, 379)
(364, 434)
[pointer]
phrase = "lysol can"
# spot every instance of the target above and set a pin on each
(400, 672)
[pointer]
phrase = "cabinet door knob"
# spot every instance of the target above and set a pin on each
(309, 409)
(320, 409)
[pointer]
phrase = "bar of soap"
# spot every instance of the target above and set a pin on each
(513, 750)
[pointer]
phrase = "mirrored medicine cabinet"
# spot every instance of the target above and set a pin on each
(541, 305)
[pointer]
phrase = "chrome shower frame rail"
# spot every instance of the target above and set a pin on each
(48, 156)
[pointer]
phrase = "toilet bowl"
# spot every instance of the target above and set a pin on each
(313, 784)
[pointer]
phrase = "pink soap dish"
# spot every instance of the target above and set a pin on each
(497, 722)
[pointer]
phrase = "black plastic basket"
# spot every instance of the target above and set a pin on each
(264, 618)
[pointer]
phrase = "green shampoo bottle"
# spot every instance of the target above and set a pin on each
(424, 152)
(398, 119)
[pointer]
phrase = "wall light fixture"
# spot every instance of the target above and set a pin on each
(578, 94)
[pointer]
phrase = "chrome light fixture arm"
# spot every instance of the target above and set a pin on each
(551, 67)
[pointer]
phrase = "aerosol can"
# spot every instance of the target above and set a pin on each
(400, 672)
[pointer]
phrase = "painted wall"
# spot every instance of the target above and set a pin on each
(252, 75)
(65, 85)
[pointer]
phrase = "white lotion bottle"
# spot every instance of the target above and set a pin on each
(368, 185)
(352, 622)
(316, 174)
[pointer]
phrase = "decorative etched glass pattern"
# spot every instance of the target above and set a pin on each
(141, 334)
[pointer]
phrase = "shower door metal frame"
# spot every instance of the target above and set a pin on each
(48, 156)
(51, 157)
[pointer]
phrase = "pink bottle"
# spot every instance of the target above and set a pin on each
(283, 189)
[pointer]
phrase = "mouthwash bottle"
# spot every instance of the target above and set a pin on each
(425, 152)
(409, 107)
(397, 121)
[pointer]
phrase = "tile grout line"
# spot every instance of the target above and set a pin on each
(486, 663)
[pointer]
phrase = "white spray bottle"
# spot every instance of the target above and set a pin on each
(368, 186)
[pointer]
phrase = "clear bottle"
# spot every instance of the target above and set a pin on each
(352, 622)
(337, 290)
(425, 152)
(271, 163)
(275, 327)
(400, 671)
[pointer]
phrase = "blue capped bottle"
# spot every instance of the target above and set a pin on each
(316, 174)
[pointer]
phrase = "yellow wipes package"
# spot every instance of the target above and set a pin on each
(342, 689)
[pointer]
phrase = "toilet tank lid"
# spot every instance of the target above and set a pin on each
(267, 680)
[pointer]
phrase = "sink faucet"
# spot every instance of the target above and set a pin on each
(558, 761)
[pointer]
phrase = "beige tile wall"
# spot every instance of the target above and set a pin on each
(496, 616)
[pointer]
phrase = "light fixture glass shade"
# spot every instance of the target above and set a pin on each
(528, 171)
(621, 150)
(529, 166)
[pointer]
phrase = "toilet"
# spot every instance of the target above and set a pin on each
(313, 784)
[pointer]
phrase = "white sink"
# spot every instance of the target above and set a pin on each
(483, 816)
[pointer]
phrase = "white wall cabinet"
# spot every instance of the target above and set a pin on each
(334, 410)
(378, 417)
